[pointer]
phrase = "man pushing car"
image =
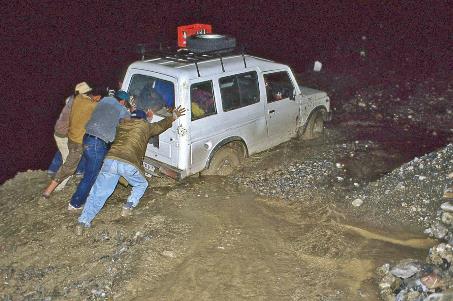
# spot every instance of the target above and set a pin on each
(124, 159)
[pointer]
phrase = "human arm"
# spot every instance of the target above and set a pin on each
(161, 126)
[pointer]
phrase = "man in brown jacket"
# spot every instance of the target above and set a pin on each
(82, 107)
(125, 159)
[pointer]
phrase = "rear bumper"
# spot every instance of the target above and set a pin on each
(157, 168)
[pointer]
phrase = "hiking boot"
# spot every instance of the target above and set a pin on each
(448, 193)
(127, 210)
(74, 209)
(80, 228)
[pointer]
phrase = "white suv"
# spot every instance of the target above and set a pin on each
(236, 105)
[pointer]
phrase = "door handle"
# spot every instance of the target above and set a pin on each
(271, 111)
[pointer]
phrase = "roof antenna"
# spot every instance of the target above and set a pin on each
(243, 57)
(198, 70)
(221, 63)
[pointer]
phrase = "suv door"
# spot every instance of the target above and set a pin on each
(204, 124)
(282, 109)
(157, 92)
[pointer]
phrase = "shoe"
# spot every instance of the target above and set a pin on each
(74, 209)
(448, 193)
(80, 228)
(127, 209)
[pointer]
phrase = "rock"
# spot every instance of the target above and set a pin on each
(440, 253)
(447, 206)
(169, 254)
(387, 282)
(446, 296)
(413, 296)
(383, 270)
(438, 230)
(405, 269)
(447, 218)
(432, 281)
(357, 203)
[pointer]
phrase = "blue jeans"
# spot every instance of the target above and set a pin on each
(105, 184)
(57, 161)
(94, 150)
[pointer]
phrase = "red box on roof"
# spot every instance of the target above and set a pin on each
(185, 31)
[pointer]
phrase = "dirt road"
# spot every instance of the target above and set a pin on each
(245, 247)
(214, 239)
(202, 239)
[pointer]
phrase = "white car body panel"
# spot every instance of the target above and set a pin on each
(188, 145)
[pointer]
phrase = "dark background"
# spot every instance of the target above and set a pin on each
(48, 46)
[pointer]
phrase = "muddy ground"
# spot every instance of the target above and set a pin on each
(281, 228)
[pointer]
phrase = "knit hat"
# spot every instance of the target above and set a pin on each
(82, 88)
(123, 95)
(138, 114)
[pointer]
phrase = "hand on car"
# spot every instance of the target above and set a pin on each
(178, 112)
(149, 114)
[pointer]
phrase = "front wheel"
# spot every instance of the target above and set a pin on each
(223, 163)
(314, 127)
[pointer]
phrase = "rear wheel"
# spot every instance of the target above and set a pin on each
(224, 162)
(314, 128)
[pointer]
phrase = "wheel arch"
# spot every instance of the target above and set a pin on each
(235, 139)
(320, 108)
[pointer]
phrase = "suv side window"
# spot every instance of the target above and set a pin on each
(202, 100)
(239, 90)
(278, 86)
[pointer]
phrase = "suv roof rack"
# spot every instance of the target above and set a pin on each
(183, 55)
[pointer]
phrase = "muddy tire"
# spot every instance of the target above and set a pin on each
(224, 162)
(314, 128)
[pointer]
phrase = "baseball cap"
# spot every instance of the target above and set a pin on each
(123, 95)
(82, 88)
(138, 114)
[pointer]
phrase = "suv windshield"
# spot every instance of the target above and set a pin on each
(152, 93)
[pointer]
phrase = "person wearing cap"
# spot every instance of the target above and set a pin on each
(82, 107)
(124, 159)
(61, 132)
(100, 132)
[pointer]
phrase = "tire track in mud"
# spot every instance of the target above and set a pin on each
(245, 247)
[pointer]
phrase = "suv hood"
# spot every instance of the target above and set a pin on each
(312, 93)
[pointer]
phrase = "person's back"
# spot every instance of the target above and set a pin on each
(132, 138)
(82, 108)
(62, 124)
(104, 119)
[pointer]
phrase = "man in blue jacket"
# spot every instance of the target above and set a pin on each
(100, 132)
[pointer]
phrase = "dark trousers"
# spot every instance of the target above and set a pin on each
(94, 151)
(57, 161)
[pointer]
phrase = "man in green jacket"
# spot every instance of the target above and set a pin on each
(125, 159)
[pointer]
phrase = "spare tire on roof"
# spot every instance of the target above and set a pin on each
(204, 43)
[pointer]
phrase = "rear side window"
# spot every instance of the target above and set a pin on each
(152, 93)
(239, 90)
(202, 100)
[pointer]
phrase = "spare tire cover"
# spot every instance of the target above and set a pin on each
(203, 43)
